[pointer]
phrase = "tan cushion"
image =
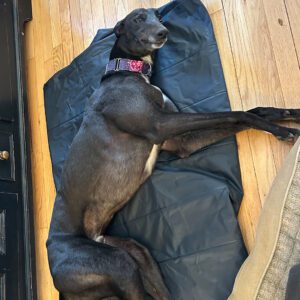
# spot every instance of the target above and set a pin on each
(264, 274)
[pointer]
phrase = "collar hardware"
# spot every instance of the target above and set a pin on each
(117, 65)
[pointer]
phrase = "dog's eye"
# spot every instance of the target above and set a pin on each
(159, 16)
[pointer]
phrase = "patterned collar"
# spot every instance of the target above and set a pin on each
(124, 64)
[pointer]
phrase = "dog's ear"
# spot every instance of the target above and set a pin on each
(119, 28)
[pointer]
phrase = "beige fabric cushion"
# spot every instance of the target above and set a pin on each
(264, 274)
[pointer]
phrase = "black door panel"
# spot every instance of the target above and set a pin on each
(7, 61)
(8, 246)
(17, 280)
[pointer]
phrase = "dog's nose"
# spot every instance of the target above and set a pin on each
(162, 34)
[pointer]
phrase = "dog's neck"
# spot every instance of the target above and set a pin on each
(117, 52)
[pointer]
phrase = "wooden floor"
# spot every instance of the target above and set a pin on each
(259, 42)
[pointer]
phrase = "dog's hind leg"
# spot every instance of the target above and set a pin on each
(93, 294)
(185, 144)
(83, 269)
(276, 114)
(149, 270)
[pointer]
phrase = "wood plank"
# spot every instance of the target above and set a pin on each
(283, 47)
(266, 71)
(49, 68)
(293, 11)
(41, 137)
(159, 3)
(36, 147)
(44, 281)
(87, 22)
(76, 27)
(147, 3)
(38, 116)
(121, 9)
(110, 13)
(29, 40)
(213, 6)
(42, 213)
(257, 75)
(252, 48)
(55, 21)
(251, 204)
(37, 30)
(57, 56)
(133, 4)
(98, 14)
(44, 21)
(49, 197)
(66, 33)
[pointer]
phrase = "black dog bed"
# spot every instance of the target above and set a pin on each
(186, 212)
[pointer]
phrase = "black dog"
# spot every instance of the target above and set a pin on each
(126, 123)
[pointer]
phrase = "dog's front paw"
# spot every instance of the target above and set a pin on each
(290, 135)
(291, 115)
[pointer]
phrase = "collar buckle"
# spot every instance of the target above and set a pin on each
(117, 64)
(148, 68)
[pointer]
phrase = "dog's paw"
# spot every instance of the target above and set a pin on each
(277, 114)
(99, 239)
(291, 135)
(291, 115)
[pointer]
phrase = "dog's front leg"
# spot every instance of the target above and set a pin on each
(170, 125)
(148, 121)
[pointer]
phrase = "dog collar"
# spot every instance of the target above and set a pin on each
(125, 64)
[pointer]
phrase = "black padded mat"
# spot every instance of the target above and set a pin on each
(186, 212)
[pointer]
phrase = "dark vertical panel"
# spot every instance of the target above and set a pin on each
(16, 242)
(2, 287)
(7, 63)
(2, 232)
(9, 246)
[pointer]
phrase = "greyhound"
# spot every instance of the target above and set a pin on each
(128, 118)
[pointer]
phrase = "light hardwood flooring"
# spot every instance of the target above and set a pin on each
(259, 43)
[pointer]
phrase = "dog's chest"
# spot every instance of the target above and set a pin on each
(150, 163)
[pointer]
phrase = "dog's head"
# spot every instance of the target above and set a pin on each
(141, 32)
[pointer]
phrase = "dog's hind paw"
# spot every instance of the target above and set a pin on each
(99, 239)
